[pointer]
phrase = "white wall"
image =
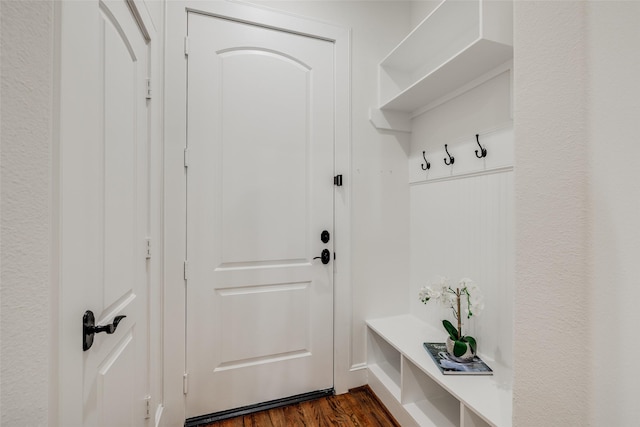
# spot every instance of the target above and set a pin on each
(380, 195)
(463, 226)
(420, 9)
(615, 206)
(26, 297)
(614, 209)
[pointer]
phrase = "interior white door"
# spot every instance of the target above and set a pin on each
(104, 213)
(260, 193)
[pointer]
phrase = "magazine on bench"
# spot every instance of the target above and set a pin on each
(448, 366)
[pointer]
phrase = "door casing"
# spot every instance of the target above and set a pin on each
(346, 373)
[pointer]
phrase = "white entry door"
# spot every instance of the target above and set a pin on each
(104, 214)
(260, 194)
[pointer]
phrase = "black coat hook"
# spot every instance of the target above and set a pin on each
(451, 158)
(426, 165)
(483, 150)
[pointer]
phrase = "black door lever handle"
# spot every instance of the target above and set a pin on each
(89, 328)
(111, 328)
(325, 256)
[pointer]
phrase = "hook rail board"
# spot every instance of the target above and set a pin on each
(489, 152)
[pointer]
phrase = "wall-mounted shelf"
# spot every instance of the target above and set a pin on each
(408, 382)
(457, 43)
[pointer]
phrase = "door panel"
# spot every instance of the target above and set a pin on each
(104, 193)
(260, 141)
(120, 202)
(287, 309)
(278, 125)
(116, 399)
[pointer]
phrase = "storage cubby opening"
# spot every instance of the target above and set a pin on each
(427, 401)
(423, 396)
(384, 361)
(471, 419)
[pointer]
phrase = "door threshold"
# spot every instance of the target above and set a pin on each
(250, 409)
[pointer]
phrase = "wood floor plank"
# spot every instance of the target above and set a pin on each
(353, 410)
(328, 413)
(312, 414)
(258, 419)
(340, 410)
(358, 408)
(277, 416)
(233, 422)
(293, 416)
(375, 412)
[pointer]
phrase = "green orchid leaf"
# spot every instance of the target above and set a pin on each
(459, 348)
(453, 332)
(472, 343)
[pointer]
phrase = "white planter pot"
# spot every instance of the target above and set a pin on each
(466, 357)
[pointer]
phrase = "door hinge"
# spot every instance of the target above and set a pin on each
(185, 383)
(186, 46)
(148, 255)
(186, 157)
(337, 180)
(186, 270)
(148, 88)
(148, 407)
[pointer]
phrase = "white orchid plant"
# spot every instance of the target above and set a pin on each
(467, 298)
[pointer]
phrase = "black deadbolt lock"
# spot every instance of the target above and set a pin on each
(325, 236)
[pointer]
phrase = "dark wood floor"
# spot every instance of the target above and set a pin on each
(358, 408)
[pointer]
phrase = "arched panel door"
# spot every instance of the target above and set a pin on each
(260, 194)
(104, 210)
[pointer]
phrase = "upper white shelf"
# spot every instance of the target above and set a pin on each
(459, 41)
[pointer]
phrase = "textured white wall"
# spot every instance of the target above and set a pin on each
(552, 372)
(613, 38)
(380, 194)
(26, 38)
(577, 109)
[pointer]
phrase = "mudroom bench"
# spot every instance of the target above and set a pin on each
(406, 379)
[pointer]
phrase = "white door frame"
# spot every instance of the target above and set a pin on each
(346, 374)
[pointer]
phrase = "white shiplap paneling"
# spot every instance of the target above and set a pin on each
(464, 227)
